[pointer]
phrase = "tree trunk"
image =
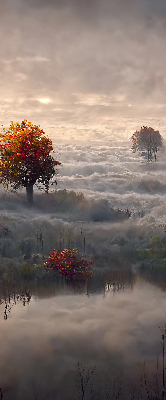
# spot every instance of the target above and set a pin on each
(29, 190)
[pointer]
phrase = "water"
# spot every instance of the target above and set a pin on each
(51, 340)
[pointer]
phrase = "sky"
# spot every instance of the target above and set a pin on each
(77, 63)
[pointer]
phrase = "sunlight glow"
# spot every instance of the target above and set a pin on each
(45, 101)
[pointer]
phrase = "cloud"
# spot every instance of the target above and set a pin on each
(29, 59)
(111, 177)
(110, 58)
(148, 6)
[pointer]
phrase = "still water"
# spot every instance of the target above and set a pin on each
(90, 342)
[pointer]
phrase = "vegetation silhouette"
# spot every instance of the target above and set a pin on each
(109, 384)
(147, 140)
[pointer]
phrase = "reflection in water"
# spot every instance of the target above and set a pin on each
(52, 284)
(155, 275)
(99, 340)
(13, 300)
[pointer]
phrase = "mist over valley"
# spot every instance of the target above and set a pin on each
(82, 267)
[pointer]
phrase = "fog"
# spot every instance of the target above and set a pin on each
(106, 194)
(108, 203)
(90, 73)
(112, 332)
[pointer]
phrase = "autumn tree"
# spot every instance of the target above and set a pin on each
(69, 263)
(148, 140)
(25, 157)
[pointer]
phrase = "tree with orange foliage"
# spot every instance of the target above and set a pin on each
(148, 140)
(25, 157)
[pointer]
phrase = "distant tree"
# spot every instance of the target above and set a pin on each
(25, 157)
(148, 140)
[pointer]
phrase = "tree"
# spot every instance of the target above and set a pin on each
(148, 140)
(25, 157)
(69, 263)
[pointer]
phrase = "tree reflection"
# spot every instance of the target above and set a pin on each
(16, 288)
(113, 384)
(12, 300)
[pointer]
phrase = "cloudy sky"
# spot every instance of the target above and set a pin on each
(74, 62)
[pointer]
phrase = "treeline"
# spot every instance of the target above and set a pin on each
(88, 209)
